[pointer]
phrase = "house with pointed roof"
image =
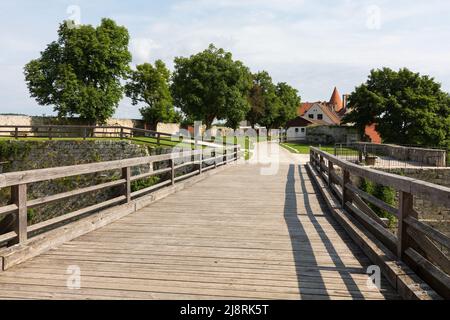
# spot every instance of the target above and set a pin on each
(330, 112)
(324, 113)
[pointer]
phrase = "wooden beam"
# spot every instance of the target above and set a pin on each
(380, 232)
(375, 201)
(436, 278)
(126, 175)
(432, 233)
(367, 210)
(405, 210)
(431, 251)
(19, 198)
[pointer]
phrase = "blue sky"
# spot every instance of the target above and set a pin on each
(311, 44)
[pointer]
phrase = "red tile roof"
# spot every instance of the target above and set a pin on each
(372, 133)
(304, 107)
(336, 100)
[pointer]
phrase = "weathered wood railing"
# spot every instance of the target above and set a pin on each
(415, 241)
(85, 132)
(200, 160)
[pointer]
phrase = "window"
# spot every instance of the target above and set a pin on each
(320, 117)
(311, 116)
(296, 130)
(303, 130)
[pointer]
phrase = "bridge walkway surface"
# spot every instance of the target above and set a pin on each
(243, 233)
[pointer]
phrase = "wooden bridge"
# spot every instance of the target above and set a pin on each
(226, 230)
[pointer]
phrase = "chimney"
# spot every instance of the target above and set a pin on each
(345, 101)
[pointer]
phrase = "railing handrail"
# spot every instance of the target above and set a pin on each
(438, 193)
(37, 175)
(19, 181)
(415, 242)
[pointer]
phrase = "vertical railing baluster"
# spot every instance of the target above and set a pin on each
(345, 180)
(405, 209)
(19, 197)
(172, 165)
(200, 159)
(236, 156)
(330, 172)
(126, 174)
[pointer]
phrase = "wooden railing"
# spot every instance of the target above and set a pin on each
(98, 132)
(415, 243)
(200, 160)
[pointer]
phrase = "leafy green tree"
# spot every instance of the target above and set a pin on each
(80, 73)
(290, 101)
(150, 85)
(211, 86)
(406, 107)
(265, 104)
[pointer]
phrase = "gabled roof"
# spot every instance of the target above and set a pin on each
(299, 122)
(304, 107)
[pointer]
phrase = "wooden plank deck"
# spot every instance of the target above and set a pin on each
(235, 235)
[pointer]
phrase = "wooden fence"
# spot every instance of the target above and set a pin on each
(85, 132)
(414, 242)
(200, 160)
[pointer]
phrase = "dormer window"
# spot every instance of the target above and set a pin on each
(311, 116)
(320, 117)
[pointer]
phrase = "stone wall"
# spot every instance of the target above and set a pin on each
(6, 120)
(431, 157)
(28, 155)
(331, 134)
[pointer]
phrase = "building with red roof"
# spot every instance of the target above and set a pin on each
(328, 113)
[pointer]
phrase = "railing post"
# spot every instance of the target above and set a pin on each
(405, 209)
(330, 172)
(121, 133)
(84, 133)
(236, 157)
(49, 133)
(201, 160)
(311, 156)
(126, 174)
(215, 158)
(158, 137)
(16, 133)
(321, 162)
(19, 197)
(345, 180)
(172, 165)
(224, 143)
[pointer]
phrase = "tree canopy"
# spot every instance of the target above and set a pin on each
(80, 73)
(263, 99)
(211, 85)
(271, 105)
(406, 107)
(149, 85)
(290, 101)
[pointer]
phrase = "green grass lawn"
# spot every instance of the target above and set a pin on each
(305, 148)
